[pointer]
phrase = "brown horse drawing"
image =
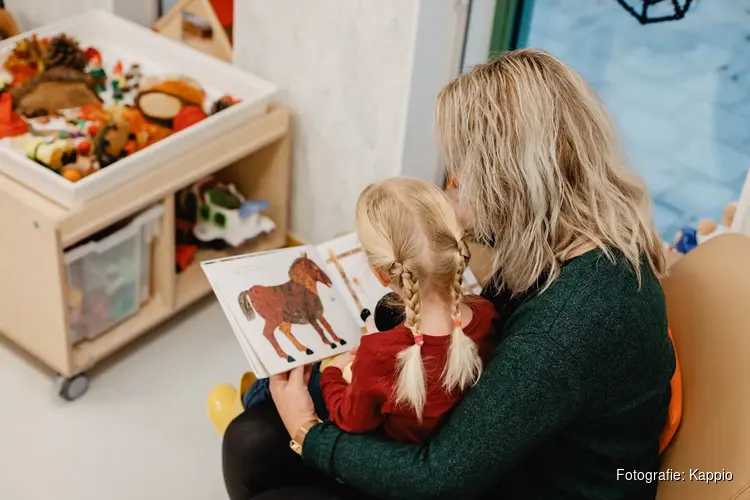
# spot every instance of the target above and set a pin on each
(295, 302)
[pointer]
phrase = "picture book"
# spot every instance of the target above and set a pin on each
(298, 305)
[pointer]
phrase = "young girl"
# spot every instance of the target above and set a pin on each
(407, 379)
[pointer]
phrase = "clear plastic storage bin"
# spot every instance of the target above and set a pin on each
(109, 278)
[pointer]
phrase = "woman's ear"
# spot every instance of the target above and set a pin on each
(382, 277)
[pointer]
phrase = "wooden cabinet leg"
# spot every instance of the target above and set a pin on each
(163, 274)
(33, 298)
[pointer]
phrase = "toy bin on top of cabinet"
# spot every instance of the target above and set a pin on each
(108, 277)
(175, 100)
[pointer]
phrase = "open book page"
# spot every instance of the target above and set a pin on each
(347, 265)
(256, 365)
(284, 308)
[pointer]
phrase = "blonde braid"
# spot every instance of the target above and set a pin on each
(456, 293)
(410, 386)
(412, 300)
(464, 365)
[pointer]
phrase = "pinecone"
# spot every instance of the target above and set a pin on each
(65, 51)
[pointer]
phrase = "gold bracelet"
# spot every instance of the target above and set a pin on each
(296, 442)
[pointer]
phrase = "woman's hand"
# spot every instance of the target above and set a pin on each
(292, 399)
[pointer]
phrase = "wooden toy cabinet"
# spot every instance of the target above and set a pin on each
(35, 232)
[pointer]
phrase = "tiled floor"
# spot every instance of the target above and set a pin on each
(679, 91)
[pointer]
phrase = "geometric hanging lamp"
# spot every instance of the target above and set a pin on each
(641, 12)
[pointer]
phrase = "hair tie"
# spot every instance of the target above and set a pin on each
(457, 324)
(419, 339)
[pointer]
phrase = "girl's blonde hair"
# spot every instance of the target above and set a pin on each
(409, 231)
(536, 156)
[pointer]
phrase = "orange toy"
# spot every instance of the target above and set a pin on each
(156, 133)
(93, 129)
(189, 115)
(145, 133)
(84, 147)
(22, 74)
(72, 174)
(26, 59)
(11, 123)
(131, 147)
(138, 124)
(188, 92)
(94, 113)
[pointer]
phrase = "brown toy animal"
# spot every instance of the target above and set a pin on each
(54, 90)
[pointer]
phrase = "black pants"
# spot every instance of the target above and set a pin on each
(258, 463)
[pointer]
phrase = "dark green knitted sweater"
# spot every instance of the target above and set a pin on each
(578, 388)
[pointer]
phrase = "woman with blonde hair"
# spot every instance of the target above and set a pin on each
(579, 386)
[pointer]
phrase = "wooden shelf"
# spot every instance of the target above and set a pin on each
(159, 183)
(89, 352)
(192, 283)
(205, 45)
(256, 157)
(74, 225)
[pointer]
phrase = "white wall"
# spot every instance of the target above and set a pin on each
(437, 59)
(479, 36)
(361, 76)
(31, 14)
(142, 12)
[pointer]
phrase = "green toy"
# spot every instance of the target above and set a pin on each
(96, 71)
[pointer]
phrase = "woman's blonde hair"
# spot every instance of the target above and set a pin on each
(537, 158)
(409, 231)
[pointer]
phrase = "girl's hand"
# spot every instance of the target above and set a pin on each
(342, 360)
(292, 399)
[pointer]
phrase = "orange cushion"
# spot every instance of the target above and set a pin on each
(674, 414)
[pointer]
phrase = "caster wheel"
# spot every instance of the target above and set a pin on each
(73, 388)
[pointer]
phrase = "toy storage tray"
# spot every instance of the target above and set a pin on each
(109, 279)
(121, 40)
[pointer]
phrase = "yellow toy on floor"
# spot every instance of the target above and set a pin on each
(225, 401)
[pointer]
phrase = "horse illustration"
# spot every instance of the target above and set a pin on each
(295, 302)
